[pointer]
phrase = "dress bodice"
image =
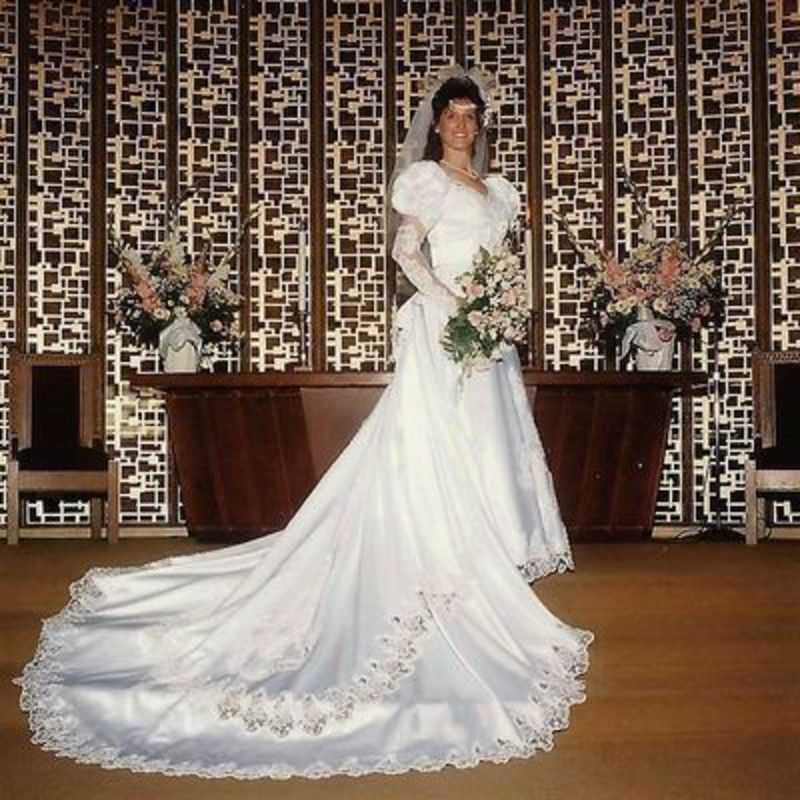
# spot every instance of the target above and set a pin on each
(468, 221)
(458, 219)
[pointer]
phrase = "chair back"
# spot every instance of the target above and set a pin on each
(54, 400)
(787, 404)
(776, 398)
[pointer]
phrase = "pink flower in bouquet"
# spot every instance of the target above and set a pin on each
(150, 299)
(196, 291)
(668, 270)
(474, 291)
(614, 272)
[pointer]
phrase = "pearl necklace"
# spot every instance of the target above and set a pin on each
(471, 174)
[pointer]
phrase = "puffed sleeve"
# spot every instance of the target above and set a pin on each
(509, 197)
(418, 196)
(419, 192)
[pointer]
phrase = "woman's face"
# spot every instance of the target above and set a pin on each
(458, 125)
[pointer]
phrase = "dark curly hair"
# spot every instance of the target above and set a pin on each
(451, 89)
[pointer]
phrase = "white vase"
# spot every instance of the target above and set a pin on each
(180, 344)
(651, 340)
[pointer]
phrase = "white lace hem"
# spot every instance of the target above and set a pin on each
(313, 713)
(56, 730)
(536, 568)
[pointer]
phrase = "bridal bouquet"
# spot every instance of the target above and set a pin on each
(167, 285)
(495, 310)
(658, 278)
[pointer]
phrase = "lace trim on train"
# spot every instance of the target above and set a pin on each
(536, 568)
(313, 713)
(56, 729)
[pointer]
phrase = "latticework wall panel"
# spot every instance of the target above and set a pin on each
(280, 169)
(424, 44)
(645, 146)
(8, 129)
(720, 155)
(495, 42)
(572, 169)
(354, 167)
(784, 100)
(136, 188)
(58, 218)
(208, 132)
(58, 274)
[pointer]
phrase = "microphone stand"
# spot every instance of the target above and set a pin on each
(714, 530)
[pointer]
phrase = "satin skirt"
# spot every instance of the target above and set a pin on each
(389, 627)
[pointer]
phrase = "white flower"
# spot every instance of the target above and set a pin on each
(475, 318)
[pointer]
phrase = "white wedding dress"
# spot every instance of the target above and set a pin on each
(389, 627)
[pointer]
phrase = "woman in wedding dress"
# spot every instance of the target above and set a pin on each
(390, 626)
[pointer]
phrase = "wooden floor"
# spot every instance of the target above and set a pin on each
(694, 689)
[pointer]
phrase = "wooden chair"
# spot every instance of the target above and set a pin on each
(774, 467)
(56, 437)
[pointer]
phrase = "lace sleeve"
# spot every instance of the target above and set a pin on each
(407, 252)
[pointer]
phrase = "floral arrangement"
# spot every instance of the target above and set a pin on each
(659, 276)
(167, 284)
(495, 310)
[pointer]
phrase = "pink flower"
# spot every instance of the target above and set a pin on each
(668, 269)
(475, 290)
(196, 291)
(615, 273)
(150, 300)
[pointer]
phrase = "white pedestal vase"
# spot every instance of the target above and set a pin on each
(180, 345)
(651, 340)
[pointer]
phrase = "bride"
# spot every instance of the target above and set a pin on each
(390, 626)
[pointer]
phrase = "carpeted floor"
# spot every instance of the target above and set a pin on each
(694, 689)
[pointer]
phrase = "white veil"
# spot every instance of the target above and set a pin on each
(413, 147)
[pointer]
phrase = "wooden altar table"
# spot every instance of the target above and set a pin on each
(249, 447)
